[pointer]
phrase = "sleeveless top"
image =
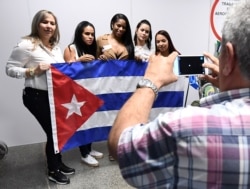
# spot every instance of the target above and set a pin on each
(103, 47)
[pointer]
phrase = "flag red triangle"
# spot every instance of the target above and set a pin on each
(64, 91)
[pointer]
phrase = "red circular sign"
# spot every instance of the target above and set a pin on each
(218, 14)
(212, 21)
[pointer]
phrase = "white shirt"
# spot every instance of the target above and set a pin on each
(24, 56)
(143, 52)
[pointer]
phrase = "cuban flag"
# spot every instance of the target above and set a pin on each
(86, 97)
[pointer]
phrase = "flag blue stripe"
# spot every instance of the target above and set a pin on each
(169, 99)
(78, 70)
(86, 137)
(115, 101)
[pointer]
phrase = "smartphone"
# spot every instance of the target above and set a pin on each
(189, 65)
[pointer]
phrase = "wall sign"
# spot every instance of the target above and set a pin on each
(218, 13)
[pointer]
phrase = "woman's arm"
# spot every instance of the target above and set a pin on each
(99, 47)
(69, 54)
(15, 66)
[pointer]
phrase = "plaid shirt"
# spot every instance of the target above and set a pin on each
(194, 147)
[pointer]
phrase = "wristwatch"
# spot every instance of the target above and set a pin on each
(31, 72)
(148, 84)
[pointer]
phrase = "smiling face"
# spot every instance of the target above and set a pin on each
(162, 44)
(88, 35)
(46, 28)
(119, 28)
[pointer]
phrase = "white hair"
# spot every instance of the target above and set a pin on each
(236, 30)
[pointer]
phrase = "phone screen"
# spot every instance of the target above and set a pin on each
(189, 65)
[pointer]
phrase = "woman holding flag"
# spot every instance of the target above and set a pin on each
(118, 44)
(142, 40)
(30, 59)
(163, 44)
(83, 49)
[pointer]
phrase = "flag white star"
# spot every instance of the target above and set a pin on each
(74, 106)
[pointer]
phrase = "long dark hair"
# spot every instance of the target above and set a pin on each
(171, 47)
(148, 42)
(127, 36)
(81, 46)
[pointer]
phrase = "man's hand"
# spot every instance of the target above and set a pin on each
(214, 67)
(160, 70)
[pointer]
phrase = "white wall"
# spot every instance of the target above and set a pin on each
(186, 21)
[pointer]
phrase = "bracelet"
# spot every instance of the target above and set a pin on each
(32, 71)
